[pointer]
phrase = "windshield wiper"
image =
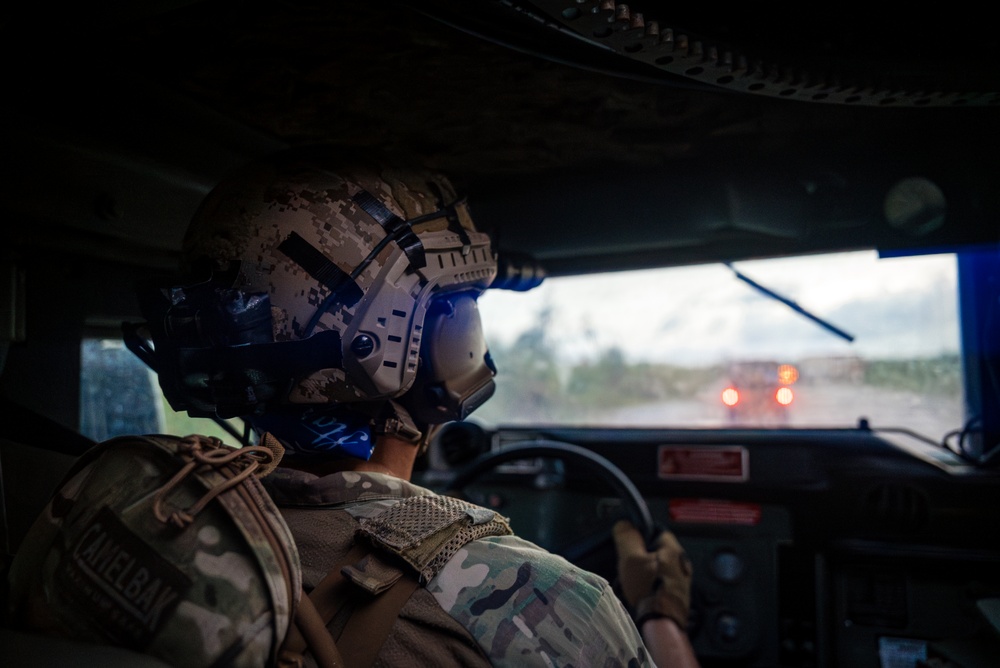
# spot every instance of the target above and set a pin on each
(791, 304)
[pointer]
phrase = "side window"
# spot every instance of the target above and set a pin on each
(120, 395)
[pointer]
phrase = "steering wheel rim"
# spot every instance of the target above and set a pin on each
(636, 507)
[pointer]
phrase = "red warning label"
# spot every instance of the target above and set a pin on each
(715, 463)
(711, 511)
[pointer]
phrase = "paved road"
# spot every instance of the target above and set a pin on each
(814, 406)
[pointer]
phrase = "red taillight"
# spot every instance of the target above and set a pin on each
(787, 374)
(784, 396)
(730, 396)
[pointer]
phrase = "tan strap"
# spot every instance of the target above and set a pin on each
(367, 629)
(331, 593)
(360, 598)
(314, 613)
(369, 619)
(309, 630)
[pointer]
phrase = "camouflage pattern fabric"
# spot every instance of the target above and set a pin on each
(268, 209)
(521, 605)
(527, 607)
(99, 566)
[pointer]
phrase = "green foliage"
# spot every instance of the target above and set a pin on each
(941, 375)
(528, 382)
(535, 385)
(613, 382)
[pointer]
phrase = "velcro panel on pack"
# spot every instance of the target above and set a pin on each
(426, 531)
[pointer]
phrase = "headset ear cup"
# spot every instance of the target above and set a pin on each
(456, 371)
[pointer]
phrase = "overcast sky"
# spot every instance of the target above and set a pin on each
(898, 307)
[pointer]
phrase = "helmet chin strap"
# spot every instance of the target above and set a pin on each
(394, 420)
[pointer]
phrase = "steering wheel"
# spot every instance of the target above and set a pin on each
(635, 506)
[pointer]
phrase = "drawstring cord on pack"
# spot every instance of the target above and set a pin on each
(217, 457)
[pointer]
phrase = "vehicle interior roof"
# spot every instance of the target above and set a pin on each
(584, 150)
(589, 136)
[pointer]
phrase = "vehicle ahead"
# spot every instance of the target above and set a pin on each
(626, 160)
(760, 392)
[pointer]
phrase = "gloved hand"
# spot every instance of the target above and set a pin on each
(654, 584)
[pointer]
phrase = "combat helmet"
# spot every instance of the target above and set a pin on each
(316, 280)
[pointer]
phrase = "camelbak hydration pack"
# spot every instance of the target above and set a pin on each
(167, 546)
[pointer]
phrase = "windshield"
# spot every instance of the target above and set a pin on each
(700, 347)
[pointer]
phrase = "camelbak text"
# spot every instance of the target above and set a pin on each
(117, 577)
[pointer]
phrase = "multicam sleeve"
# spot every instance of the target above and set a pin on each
(619, 636)
(527, 607)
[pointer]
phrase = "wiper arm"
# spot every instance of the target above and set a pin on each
(791, 304)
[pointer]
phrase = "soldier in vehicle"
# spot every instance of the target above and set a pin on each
(336, 303)
(389, 263)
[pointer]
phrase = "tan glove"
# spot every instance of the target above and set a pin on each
(654, 584)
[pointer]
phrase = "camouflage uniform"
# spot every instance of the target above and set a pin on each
(500, 600)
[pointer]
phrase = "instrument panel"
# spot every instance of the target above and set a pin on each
(810, 548)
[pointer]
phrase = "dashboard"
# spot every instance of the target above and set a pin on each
(810, 547)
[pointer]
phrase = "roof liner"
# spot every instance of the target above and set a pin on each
(583, 151)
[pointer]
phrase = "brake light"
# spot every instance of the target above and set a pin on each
(730, 396)
(784, 396)
(787, 374)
